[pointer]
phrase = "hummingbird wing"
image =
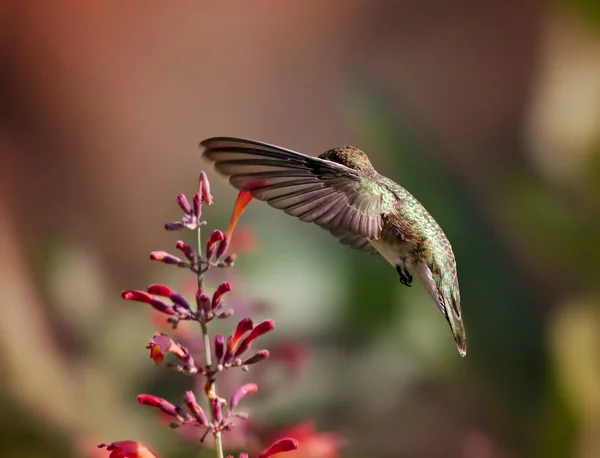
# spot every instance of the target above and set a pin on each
(312, 189)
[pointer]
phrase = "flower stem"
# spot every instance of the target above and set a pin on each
(212, 393)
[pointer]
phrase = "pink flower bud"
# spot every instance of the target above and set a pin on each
(195, 409)
(139, 296)
(217, 410)
(219, 347)
(204, 189)
(197, 201)
(167, 258)
(159, 403)
(184, 204)
(143, 296)
(248, 388)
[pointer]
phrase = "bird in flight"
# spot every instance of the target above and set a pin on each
(341, 191)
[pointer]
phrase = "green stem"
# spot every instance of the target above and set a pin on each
(212, 393)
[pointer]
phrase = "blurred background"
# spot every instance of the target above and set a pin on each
(488, 112)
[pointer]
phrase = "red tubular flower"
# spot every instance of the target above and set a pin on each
(229, 350)
(128, 449)
(243, 199)
(258, 331)
(195, 409)
(184, 204)
(204, 188)
(160, 290)
(223, 288)
(248, 388)
(211, 246)
(241, 329)
(143, 296)
(223, 246)
(162, 344)
(282, 445)
(159, 403)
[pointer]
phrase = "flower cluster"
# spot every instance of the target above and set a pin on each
(219, 414)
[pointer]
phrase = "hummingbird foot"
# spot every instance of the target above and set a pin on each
(405, 276)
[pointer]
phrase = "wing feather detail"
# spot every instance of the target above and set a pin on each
(312, 189)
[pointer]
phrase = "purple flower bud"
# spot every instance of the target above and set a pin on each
(167, 258)
(184, 204)
(187, 250)
(197, 200)
(195, 409)
(217, 410)
(259, 356)
(219, 347)
(211, 245)
(248, 388)
(204, 189)
(174, 226)
(178, 299)
(223, 288)
(258, 331)
(159, 403)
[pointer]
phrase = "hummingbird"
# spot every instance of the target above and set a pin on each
(341, 191)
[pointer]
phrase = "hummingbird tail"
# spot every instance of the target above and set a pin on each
(458, 330)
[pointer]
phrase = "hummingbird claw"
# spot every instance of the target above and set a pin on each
(405, 276)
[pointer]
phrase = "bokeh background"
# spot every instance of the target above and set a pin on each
(488, 112)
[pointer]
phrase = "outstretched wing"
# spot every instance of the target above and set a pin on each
(314, 190)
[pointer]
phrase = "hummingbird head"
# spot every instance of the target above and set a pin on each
(442, 286)
(349, 156)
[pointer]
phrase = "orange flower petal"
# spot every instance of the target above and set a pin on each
(242, 201)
